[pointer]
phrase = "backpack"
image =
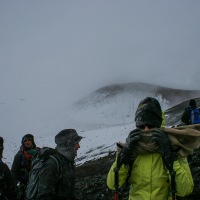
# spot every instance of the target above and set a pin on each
(38, 162)
(195, 116)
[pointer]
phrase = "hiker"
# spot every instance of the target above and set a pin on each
(7, 186)
(55, 179)
(191, 114)
(22, 163)
(152, 174)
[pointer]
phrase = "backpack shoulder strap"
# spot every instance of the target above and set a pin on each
(58, 161)
(129, 172)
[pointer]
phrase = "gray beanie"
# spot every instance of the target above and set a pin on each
(148, 113)
(65, 140)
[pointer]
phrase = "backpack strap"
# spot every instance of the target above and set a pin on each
(129, 172)
(58, 161)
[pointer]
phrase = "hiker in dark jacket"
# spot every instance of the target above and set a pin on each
(54, 183)
(186, 116)
(7, 186)
(22, 163)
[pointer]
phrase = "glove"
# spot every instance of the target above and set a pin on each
(129, 147)
(132, 139)
(119, 148)
(165, 146)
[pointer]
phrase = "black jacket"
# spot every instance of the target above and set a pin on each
(7, 186)
(20, 168)
(55, 186)
(185, 118)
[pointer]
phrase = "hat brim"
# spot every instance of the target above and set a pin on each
(78, 139)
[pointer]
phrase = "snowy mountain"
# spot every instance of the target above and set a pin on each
(104, 117)
(115, 105)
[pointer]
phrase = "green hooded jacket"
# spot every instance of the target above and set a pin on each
(150, 180)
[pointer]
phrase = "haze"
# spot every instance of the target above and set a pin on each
(54, 52)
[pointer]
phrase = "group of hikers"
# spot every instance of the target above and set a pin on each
(41, 173)
(147, 161)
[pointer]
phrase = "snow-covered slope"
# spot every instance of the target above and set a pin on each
(104, 117)
(116, 104)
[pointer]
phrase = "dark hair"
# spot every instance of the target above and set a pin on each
(192, 103)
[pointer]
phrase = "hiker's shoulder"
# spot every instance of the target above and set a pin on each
(4, 169)
(188, 109)
(52, 161)
(50, 155)
(18, 155)
(2, 165)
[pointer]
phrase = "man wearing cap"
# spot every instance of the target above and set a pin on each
(22, 163)
(7, 186)
(59, 185)
(150, 171)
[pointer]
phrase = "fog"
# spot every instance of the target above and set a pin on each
(53, 53)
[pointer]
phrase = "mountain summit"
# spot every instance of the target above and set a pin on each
(115, 105)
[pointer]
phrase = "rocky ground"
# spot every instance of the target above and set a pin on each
(91, 179)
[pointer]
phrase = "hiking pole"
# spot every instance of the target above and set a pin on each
(173, 181)
(173, 184)
(116, 170)
(116, 194)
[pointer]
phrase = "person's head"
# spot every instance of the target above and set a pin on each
(28, 142)
(192, 103)
(1, 147)
(148, 114)
(67, 142)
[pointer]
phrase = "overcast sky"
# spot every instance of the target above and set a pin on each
(53, 52)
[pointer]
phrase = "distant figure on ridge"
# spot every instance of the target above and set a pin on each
(147, 161)
(7, 186)
(52, 176)
(22, 163)
(191, 115)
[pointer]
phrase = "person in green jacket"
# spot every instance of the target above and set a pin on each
(150, 172)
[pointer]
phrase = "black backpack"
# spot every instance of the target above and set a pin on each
(38, 162)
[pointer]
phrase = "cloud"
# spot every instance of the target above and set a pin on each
(55, 52)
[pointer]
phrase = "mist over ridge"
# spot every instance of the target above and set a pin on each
(116, 104)
(108, 106)
(108, 112)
